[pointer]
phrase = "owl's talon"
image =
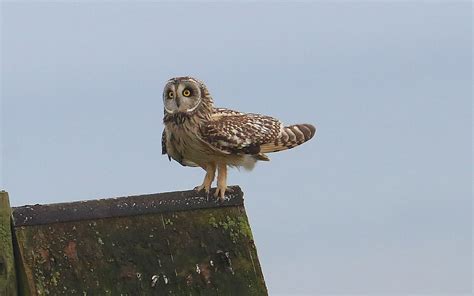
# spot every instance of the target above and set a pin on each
(206, 190)
(199, 188)
(220, 193)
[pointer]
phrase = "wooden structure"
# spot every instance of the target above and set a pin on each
(177, 243)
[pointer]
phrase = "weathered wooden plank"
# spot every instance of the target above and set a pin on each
(123, 206)
(8, 284)
(196, 250)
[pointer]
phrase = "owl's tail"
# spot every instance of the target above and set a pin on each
(289, 137)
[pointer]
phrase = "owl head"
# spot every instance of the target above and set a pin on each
(184, 95)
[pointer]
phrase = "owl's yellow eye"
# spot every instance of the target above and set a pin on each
(186, 93)
(170, 94)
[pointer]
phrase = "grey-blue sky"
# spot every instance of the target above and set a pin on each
(378, 202)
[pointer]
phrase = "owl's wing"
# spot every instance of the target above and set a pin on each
(234, 132)
(163, 144)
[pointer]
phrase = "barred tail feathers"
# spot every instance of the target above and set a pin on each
(289, 137)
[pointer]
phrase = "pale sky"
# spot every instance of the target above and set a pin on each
(379, 202)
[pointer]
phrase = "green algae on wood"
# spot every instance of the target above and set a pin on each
(8, 284)
(174, 252)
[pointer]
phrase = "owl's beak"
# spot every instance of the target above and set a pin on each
(178, 102)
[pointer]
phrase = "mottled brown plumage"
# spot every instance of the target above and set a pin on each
(198, 134)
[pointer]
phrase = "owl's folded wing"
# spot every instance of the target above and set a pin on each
(163, 143)
(233, 132)
(164, 150)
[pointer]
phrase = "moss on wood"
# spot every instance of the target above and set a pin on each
(8, 285)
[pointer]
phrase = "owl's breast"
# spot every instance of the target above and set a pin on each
(184, 145)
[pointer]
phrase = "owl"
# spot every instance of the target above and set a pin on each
(197, 134)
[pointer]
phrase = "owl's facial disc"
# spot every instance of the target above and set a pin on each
(182, 96)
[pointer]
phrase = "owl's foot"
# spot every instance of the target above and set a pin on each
(221, 182)
(208, 179)
(201, 187)
(220, 192)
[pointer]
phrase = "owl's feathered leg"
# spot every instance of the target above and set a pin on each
(221, 181)
(208, 179)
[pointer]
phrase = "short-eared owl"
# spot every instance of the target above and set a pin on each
(198, 134)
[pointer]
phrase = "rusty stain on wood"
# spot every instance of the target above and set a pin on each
(177, 243)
